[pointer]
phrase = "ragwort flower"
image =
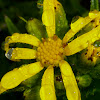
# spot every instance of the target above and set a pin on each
(50, 52)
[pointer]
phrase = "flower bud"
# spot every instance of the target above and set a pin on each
(84, 80)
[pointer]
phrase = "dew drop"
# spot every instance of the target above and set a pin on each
(9, 53)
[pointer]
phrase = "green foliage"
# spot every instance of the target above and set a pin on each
(95, 73)
(64, 15)
(61, 21)
(35, 27)
(11, 27)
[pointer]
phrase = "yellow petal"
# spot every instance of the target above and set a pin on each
(72, 91)
(48, 16)
(49, 4)
(2, 89)
(20, 53)
(48, 19)
(68, 35)
(47, 91)
(81, 42)
(94, 14)
(21, 38)
(79, 24)
(50, 30)
(98, 49)
(48, 77)
(15, 77)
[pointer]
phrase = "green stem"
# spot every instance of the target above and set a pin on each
(94, 5)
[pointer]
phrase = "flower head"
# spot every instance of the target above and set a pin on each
(50, 52)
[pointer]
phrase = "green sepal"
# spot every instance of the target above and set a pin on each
(61, 21)
(84, 80)
(35, 27)
(11, 27)
(94, 5)
(32, 93)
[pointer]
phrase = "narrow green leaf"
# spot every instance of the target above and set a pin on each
(35, 27)
(23, 19)
(11, 27)
(94, 5)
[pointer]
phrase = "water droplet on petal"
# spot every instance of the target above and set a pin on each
(9, 53)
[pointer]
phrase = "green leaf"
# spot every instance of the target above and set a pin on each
(11, 27)
(35, 27)
(94, 5)
(61, 21)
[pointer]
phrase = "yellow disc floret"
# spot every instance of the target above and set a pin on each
(50, 51)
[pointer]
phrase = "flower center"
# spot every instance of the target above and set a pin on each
(50, 51)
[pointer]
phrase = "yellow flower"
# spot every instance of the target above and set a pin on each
(50, 52)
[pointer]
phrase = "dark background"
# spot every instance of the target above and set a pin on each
(28, 9)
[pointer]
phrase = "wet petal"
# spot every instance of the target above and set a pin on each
(50, 30)
(48, 16)
(47, 91)
(15, 77)
(81, 42)
(94, 14)
(72, 91)
(49, 4)
(20, 53)
(2, 89)
(21, 38)
(68, 35)
(79, 24)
